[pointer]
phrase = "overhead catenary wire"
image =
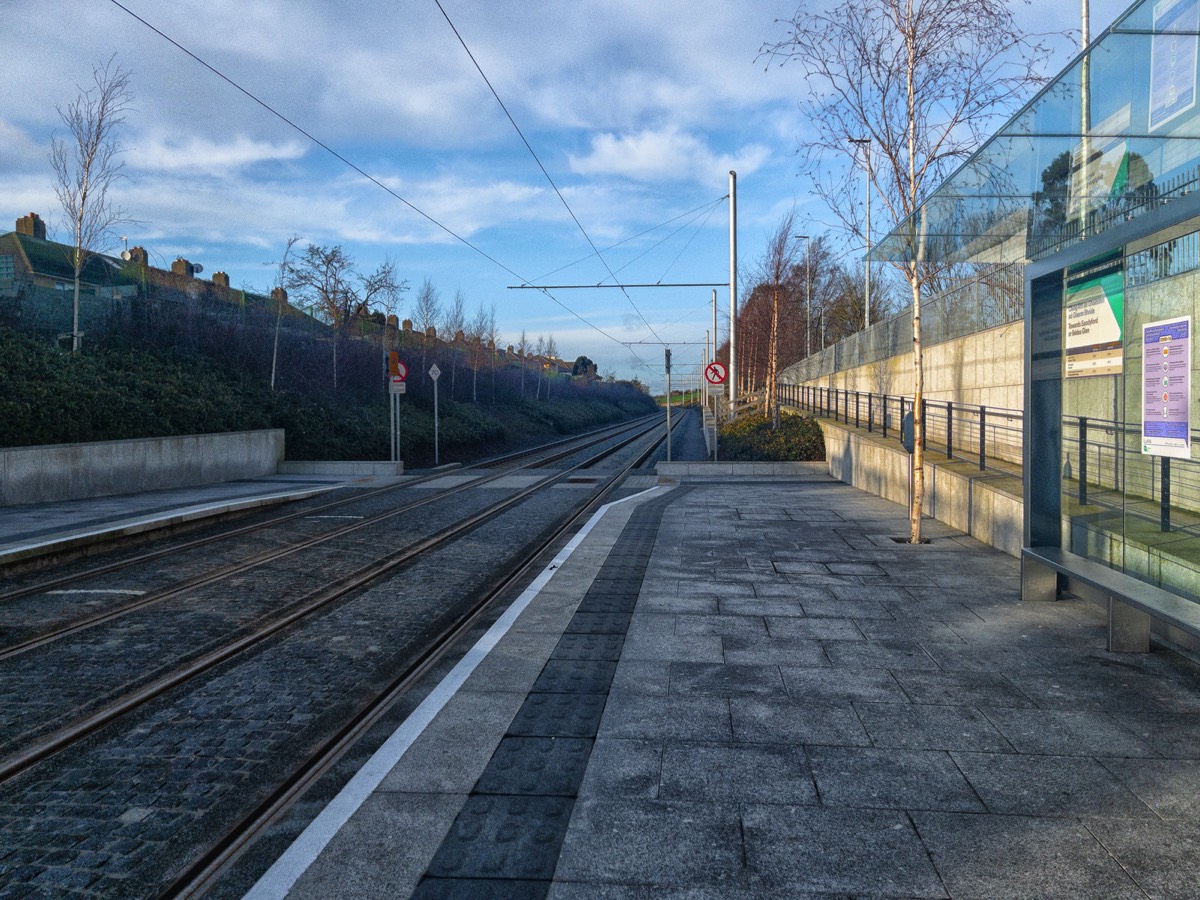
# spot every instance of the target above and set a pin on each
(691, 212)
(536, 159)
(354, 167)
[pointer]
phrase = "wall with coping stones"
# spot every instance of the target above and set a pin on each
(104, 468)
(957, 494)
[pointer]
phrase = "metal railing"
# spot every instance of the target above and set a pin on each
(1102, 462)
(988, 435)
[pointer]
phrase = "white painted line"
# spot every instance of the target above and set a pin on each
(125, 592)
(278, 880)
(335, 517)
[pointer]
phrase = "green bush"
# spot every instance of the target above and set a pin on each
(753, 438)
(115, 392)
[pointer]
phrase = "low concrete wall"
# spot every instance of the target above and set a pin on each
(341, 468)
(718, 469)
(986, 505)
(103, 468)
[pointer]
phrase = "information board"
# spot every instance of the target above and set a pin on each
(1167, 388)
(1094, 315)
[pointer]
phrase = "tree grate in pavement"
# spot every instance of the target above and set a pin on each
(506, 839)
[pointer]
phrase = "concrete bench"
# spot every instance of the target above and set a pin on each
(1131, 604)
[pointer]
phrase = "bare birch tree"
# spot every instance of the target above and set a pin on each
(279, 295)
(328, 278)
(87, 164)
(922, 80)
(455, 322)
(427, 313)
(523, 348)
(778, 264)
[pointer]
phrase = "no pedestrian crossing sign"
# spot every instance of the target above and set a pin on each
(716, 373)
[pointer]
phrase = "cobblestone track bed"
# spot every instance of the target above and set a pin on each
(50, 686)
(83, 823)
(28, 617)
(122, 812)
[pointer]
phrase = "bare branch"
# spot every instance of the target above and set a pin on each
(87, 163)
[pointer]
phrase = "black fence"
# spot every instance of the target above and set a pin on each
(988, 435)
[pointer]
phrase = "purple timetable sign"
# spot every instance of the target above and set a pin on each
(1167, 387)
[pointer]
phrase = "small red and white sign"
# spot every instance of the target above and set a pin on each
(716, 373)
(397, 384)
(401, 371)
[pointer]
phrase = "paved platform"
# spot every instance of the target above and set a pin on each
(734, 687)
(44, 529)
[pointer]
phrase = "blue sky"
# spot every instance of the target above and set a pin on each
(638, 109)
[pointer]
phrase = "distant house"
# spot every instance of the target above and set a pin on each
(31, 266)
(26, 257)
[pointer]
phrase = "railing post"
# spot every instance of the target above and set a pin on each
(949, 429)
(885, 414)
(1164, 501)
(856, 419)
(982, 437)
(1083, 423)
(870, 413)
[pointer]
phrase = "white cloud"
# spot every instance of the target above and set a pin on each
(669, 155)
(200, 154)
(19, 151)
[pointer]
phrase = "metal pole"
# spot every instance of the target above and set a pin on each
(808, 296)
(732, 292)
(866, 143)
(667, 361)
(436, 461)
(867, 317)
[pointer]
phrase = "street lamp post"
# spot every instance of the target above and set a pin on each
(807, 293)
(866, 142)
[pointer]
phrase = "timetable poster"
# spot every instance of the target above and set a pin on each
(1173, 58)
(1167, 387)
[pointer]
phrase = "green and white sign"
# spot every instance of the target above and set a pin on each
(1094, 316)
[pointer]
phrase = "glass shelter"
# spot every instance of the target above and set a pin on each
(1095, 185)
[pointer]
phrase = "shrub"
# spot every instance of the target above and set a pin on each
(753, 438)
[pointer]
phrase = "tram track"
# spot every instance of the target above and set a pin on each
(572, 444)
(140, 717)
(208, 868)
(100, 703)
(559, 450)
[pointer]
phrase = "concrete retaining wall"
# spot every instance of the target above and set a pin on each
(982, 369)
(986, 505)
(103, 468)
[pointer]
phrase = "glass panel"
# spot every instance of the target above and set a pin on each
(1112, 137)
(1093, 418)
(1161, 528)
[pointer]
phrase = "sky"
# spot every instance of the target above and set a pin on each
(631, 114)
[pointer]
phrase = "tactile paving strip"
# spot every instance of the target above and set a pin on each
(506, 840)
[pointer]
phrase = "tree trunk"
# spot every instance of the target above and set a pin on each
(918, 455)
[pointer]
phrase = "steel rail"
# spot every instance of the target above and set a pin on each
(268, 556)
(204, 871)
(152, 555)
(48, 745)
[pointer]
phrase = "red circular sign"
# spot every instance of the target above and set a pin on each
(716, 373)
(401, 370)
